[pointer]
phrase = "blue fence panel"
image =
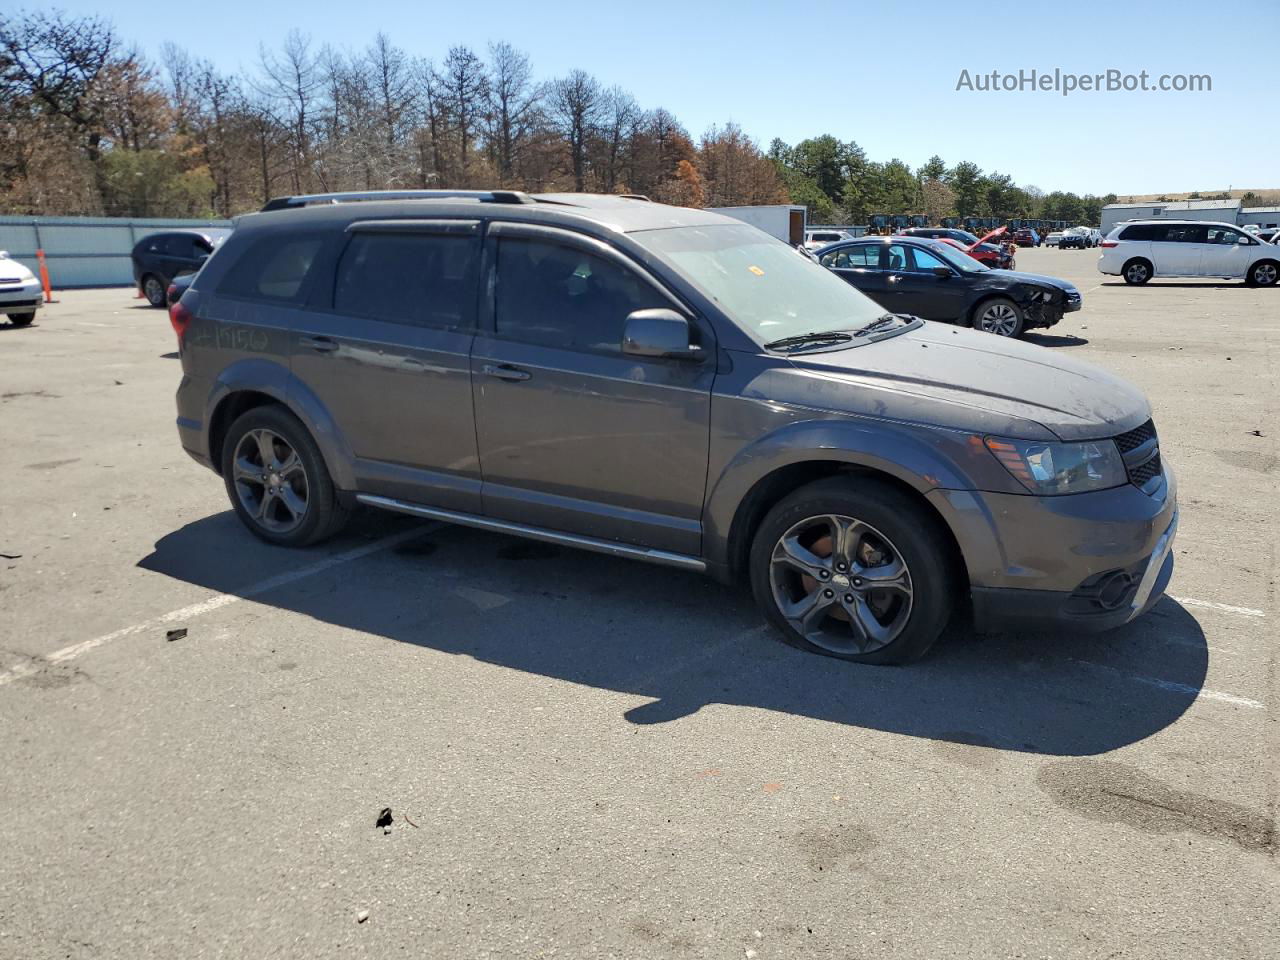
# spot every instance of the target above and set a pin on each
(86, 251)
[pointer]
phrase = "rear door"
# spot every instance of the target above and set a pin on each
(860, 266)
(1180, 251)
(574, 434)
(385, 346)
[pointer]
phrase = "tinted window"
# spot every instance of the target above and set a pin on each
(180, 245)
(1144, 231)
(271, 270)
(425, 279)
(1186, 233)
(853, 258)
(926, 261)
(561, 296)
(898, 257)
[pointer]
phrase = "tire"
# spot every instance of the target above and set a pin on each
(901, 626)
(21, 319)
(302, 506)
(1137, 271)
(153, 288)
(999, 316)
(1264, 273)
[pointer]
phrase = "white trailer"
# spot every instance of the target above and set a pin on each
(785, 221)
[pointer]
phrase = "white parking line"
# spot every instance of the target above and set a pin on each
(1200, 693)
(1224, 607)
(216, 602)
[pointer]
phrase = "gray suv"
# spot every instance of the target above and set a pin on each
(674, 386)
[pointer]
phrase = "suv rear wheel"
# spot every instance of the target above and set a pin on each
(848, 568)
(1264, 273)
(153, 289)
(277, 480)
(1137, 272)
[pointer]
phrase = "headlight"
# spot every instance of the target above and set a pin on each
(1056, 468)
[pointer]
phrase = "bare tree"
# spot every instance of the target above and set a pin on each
(292, 81)
(617, 117)
(464, 83)
(514, 102)
(575, 110)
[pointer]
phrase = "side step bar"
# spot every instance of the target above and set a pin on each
(679, 560)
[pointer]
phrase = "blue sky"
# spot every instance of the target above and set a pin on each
(883, 74)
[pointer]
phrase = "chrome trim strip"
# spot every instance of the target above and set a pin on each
(680, 560)
(1163, 546)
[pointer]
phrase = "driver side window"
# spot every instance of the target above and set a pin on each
(561, 296)
(926, 261)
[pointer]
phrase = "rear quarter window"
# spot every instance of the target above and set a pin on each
(272, 269)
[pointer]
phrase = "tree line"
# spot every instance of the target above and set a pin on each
(92, 127)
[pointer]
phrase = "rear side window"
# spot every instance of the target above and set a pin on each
(1144, 231)
(560, 296)
(1183, 233)
(270, 269)
(415, 278)
(853, 258)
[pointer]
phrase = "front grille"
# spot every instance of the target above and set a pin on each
(1140, 474)
(1136, 438)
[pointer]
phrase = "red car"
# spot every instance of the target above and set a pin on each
(993, 255)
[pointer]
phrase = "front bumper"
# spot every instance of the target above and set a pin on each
(1089, 562)
(23, 296)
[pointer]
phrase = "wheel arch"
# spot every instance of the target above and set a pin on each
(256, 382)
(765, 472)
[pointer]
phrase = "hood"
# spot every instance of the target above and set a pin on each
(959, 378)
(1056, 282)
(10, 268)
(998, 231)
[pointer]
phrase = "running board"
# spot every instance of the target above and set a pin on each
(680, 560)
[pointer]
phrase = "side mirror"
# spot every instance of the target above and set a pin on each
(942, 273)
(658, 332)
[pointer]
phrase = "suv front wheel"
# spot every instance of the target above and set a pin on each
(848, 568)
(277, 480)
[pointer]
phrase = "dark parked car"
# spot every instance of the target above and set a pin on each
(1026, 237)
(159, 258)
(1072, 239)
(994, 255)
(929, 279)
(674, 386)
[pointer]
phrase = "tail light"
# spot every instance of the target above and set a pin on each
(180, 317)
(1109, 243)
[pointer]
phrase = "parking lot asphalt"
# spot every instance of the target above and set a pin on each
(588, 757)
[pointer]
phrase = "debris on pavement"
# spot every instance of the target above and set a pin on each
(17, 556)
(178, 634)
(405, 818)
(1256, 433)
(362, 916)
(385, 820)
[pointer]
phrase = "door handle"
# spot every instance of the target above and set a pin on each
(504, 372)
(320, 344)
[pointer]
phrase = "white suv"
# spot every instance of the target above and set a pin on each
(1142, 249)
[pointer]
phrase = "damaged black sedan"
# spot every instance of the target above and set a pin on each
(928, 279)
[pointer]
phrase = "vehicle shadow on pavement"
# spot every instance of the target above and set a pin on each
(1054, 340)
(685, 642)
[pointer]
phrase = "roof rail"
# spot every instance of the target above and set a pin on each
(311, 199)
(634, 196)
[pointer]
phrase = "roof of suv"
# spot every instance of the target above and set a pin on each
(617, 213)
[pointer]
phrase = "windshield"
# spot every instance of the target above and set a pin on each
(766, 287)
(957, 258)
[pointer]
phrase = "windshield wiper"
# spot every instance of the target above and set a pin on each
(887, 320)
(808, 339)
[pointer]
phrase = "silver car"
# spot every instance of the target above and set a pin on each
(674, 386)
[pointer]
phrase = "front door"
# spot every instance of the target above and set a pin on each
(386, 350)
(921, 292)
(1226, 252)
(574, 434)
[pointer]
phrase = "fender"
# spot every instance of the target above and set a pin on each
(272, 378)
(923, 458)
